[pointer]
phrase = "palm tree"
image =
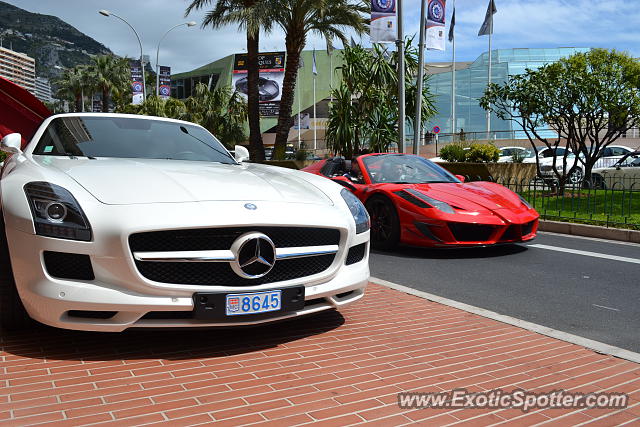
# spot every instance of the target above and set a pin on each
(250, 15)
(109, 75)
(71, 85)
(221, 111)
(297, 18)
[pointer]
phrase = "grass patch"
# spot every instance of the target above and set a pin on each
(620, 209)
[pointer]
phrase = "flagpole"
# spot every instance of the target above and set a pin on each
(489, 75)
(417, 123)
(315, 124)
(453, 80)
(299, 109)
(401, 94)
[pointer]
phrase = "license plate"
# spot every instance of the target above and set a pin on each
(253, 303)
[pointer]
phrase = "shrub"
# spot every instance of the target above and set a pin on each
(482, 153)
(453, 153)
(518, 156)
(3, 156)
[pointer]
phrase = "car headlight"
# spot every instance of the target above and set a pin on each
(359, 212)
(524, 202)
(442, 206)
(56, 213)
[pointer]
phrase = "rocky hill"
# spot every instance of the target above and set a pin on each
(52, 42)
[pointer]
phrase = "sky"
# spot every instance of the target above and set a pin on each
(518, 23)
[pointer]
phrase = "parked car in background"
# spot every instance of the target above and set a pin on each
(623, 175)
(414, 201)
(112, 221)
(611, 154)
(507, 154)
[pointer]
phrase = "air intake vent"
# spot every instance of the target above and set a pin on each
(68, 266)
(356, 254)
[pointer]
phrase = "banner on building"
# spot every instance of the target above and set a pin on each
(96, 106)
(165, 82)
(383, 21)
(271, 65)
(136, 82)
(435, 25)
(305, 121)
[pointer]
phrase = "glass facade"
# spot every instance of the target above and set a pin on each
(472, 82)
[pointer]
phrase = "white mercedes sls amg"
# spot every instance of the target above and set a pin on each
(113, 221)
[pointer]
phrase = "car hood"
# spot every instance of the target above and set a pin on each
(473, 196)
(139, 181)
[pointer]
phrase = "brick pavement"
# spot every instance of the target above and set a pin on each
(330, 369)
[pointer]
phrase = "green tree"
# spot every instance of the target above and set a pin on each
(298, 18)
(364, 112)
(109, 75)
(250, 16)
(71, 85)
(221, 111)
(590, 99)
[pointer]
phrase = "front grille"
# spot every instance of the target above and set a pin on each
(68, 266)
(221, 274)
(528, 228)
(464, 232)
(512, 233)
(356, 254)
(222, 238)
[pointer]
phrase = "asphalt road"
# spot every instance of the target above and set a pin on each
(550, 281)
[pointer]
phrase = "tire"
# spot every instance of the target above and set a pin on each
(576, 176)
(13, 316)
(385, 225)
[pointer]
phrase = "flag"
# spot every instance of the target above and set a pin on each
(487, 25)
(453, 25)
(314, 69)
(435, 24)
(383, 21)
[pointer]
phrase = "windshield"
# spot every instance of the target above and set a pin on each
(405, 169)
(126, 137)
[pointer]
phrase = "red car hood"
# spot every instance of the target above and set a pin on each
(474, 196)
(20, 111)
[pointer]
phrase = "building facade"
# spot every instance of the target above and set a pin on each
(43, 90)
(471, 82)
(18, 68)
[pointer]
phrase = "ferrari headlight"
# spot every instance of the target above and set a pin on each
(524, 202)
(443, 206)
(359, 212)
(56, 213)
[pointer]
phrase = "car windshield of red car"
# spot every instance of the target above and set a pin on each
(405, 169)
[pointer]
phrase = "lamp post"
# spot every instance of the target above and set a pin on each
(144, 85)
(188, 24)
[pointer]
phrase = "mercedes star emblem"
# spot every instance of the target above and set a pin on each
(255, 255)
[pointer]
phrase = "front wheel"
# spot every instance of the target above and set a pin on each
(13, 316)
(576, 176)
(385, 225)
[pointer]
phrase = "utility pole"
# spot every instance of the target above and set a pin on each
(417, 123)
(401, 102)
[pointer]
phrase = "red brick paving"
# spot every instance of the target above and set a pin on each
(330, 369)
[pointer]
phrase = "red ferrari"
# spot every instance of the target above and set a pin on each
(416, 202)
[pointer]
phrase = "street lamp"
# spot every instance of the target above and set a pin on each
(188, 24)
(107, 14)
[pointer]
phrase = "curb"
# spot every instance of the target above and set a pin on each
(594, 231)
(596, 346)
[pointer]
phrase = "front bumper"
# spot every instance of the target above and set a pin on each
(135, 301)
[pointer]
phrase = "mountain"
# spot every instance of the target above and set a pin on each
(52, 42)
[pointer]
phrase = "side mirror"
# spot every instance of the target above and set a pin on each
(11, 143)
(241, 154)
(460, 177)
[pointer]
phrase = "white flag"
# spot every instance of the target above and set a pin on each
(435, 25)
(383, 21)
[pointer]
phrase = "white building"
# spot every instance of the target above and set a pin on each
(18, 68)
(43, 90)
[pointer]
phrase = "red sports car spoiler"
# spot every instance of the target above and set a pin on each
(20, 111)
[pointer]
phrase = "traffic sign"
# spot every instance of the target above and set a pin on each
(436, 129)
